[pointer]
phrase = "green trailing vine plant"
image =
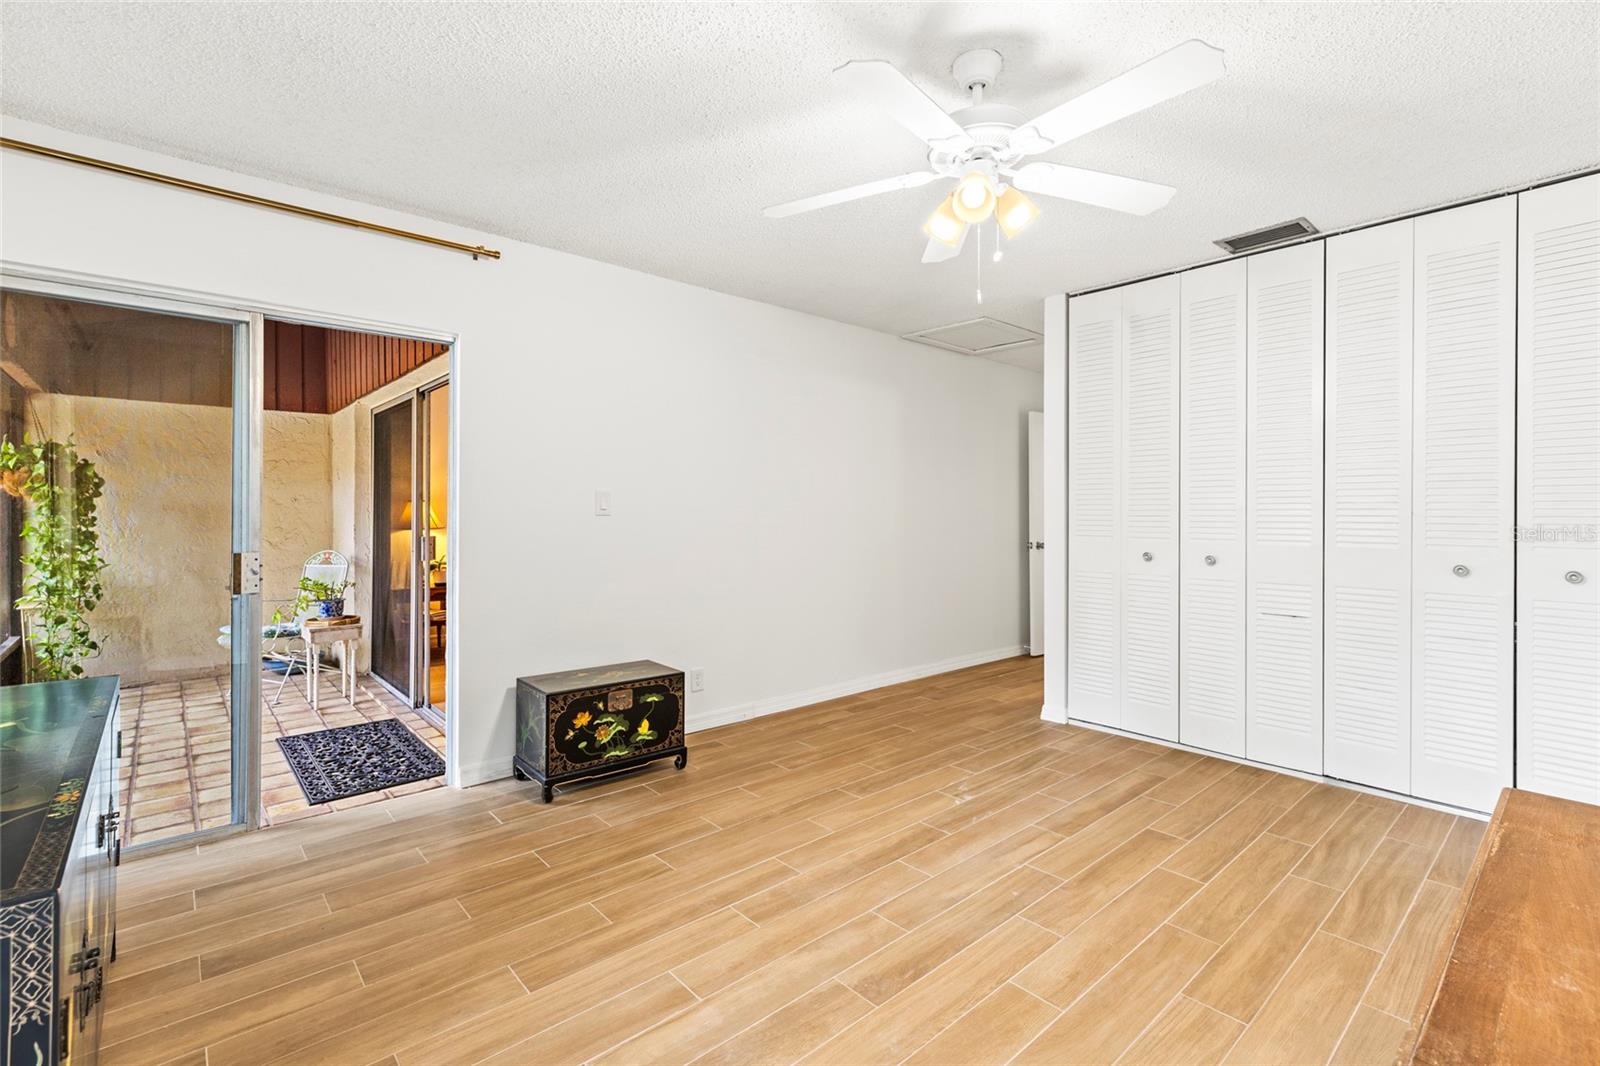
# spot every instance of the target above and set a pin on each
(61, 556)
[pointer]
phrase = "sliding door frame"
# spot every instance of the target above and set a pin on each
(409, 695)
(114, 289)
(419, 655)
(422, 468)
(245, 538)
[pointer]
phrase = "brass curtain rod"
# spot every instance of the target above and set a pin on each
(474, 250)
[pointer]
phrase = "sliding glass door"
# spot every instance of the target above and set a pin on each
(141, 553)
(410, 475)
(394, 556)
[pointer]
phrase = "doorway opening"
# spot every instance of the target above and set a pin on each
(225, 462)
(345, 468)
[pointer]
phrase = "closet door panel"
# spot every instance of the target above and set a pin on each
(1211, 562)
(1094, 582)
(1558, 490)
(1464, 466)
(1149, 525)
(1283, 504)
(1367, 614)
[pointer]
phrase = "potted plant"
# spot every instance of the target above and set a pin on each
(61, 554)
(326, 596)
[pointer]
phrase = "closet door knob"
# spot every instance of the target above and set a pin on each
(1460, 570)
(1148, 557)
(1574, 577)
(1211, 560)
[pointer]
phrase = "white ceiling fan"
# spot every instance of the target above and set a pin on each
(982, 147)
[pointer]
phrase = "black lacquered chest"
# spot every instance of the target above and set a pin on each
(59, 845)
(583, 723)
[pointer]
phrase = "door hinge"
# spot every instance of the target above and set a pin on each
(246, 573)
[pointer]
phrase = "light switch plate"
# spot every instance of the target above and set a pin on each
(602, 503)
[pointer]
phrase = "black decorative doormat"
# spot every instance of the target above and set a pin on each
(334, 764)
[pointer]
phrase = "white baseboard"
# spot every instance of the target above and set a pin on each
(1417, 801)
(699, 720)
(496, 769)
(1054, 715)
(483, 772)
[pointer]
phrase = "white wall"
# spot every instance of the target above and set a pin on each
(801, 506)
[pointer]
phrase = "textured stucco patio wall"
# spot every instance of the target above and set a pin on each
(165, 522)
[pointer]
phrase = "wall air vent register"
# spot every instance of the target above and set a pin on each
(1269, 235)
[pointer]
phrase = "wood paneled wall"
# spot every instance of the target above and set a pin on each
(308, 368)
(295, 368)
(358, 363)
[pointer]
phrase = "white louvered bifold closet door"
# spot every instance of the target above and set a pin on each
(1211, 561)
(1463, 502)
(1367, 611)
(1283, 506)
(1094, 471)
(1558, 490)
(1149, 525)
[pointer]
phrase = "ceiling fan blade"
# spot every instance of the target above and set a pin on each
(854, 192)
(1091, 187)
(937, 251)
(878, 82)
(1173, 72)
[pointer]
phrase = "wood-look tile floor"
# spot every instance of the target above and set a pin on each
(925, 873)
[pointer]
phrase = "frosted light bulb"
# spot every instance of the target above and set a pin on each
(974, 197)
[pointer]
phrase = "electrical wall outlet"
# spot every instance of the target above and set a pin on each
(697, 679)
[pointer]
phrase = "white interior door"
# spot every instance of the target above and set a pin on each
(1094, 470)
(1367, 614)
(1211, 562)
(1284, 339)
(1149, 637)
(1035, 533)
(1463, 503)
(1558, 490)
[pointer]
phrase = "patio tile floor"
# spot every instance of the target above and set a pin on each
(174, 775)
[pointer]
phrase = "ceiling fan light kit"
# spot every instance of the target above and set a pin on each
(974, 197)
(983, 143)
(1014, 212)
(944, 225)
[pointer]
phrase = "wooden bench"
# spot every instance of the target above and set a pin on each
(1520, 981)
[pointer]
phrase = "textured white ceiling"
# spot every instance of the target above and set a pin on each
(652, 135)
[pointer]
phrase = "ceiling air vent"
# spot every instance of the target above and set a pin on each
(976, 336)
(1260, 238)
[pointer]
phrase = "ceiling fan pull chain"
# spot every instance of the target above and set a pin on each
(979, 230)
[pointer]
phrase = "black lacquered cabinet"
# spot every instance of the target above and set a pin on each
(59, 844)
(584, 723)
